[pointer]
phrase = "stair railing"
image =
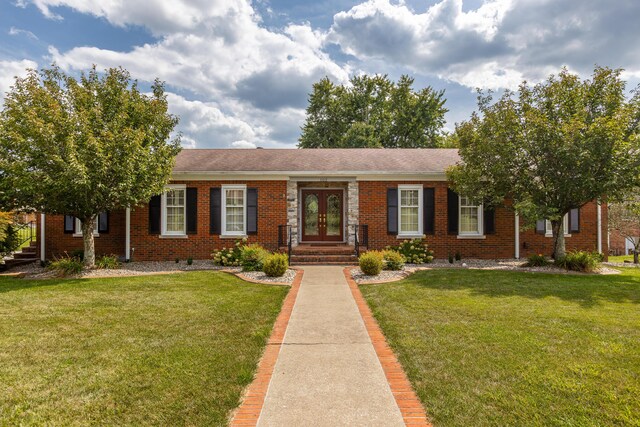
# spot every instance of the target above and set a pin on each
(285, 237)
(364, 241)
(26, 233)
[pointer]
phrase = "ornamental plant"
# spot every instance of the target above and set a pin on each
(414, 251)
(252, 257)
(392, 260)
(537, 260)
(229, 257)
(371, 263)
(275, 265)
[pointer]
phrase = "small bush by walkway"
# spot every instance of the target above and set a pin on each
(494, 348)
(150, 350)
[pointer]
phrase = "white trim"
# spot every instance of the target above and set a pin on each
(471, 234)
(42, 226)
(224, 232)
(548, 232)
(410, 187)
(319, 176)
(163, 209)
(599, 222)
(517, 236)
(127, 234)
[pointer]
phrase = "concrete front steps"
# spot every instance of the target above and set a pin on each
(323, 254)
(26, 256)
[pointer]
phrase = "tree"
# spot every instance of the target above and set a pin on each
(373, 112)
(624, 217)
(81, 147)
(552, 148)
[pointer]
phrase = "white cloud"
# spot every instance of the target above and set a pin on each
(243, 144)
(9, 70)
(13, 31)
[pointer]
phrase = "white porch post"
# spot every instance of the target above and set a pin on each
(42, 257)
(517, 234)
(599, 216)
(127, 235)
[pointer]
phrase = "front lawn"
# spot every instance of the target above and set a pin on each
(148, 350)
(496, 348)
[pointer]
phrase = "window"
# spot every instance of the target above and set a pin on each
(565, 226)
(410, 207)
(78, 228)
(174, 210)
(470, 218)
(234, 210)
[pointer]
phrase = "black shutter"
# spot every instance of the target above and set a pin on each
(192, 210)
(429, 210)
(392, 211)
(541, 226)
(452, 211)
(154, 215)
(103, 222)
(574, 221)
(69, 224)
(215, 211)
(252, 211)
(489, 221)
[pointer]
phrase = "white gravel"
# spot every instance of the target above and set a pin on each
(287, 278)
(471, 264)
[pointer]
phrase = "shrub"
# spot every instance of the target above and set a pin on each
(598, 256)
(78, 253)
(578, 261)
(108, 262)
(450, 259)
(66, 265)
(537, 260)
(252, 257)
(371, 263)
(414, 251)
(189, 260)
(229, 257)
(11, 241)
(392, 260)
(275, 265)
(458, 256)
(177, 260)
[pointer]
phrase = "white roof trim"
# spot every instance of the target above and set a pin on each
(308, 176)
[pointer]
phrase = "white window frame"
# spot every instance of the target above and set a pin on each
(548, 232)
(419, 232)
(163, 207)
(77, 231)
(223, 224)
(480, 230)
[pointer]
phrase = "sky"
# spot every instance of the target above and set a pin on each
(238, 73)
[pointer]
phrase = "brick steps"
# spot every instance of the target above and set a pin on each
(26, 256)
(323, 254)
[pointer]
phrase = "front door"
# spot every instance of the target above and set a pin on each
(322, 215)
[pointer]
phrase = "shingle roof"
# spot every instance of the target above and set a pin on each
(425, 160)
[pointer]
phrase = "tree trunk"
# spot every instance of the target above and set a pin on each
(88, 225)
(557, 229)
(635, 255)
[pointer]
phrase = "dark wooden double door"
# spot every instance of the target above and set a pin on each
(322, 215)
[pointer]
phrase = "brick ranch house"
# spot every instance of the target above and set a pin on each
(317, 197)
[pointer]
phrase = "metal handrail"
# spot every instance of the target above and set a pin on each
(364, 228)
(26, 232)
(288, 239)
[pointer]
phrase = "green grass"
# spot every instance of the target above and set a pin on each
(489, 348)
(620, 258)
(148, 350)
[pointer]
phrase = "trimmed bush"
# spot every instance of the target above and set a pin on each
(275, 265)
(392, 260)
(189, 260)
(108, 262)
(252, 257)
(414, 251)
(66, 266)
(371, 263)
(537, 260)
(229, 257)
(78, 253)
(579, 261)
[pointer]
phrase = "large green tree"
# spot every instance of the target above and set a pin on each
(373, 111)
(83, 146)
(552, 147)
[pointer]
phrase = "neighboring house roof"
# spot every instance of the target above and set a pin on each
(318, 161)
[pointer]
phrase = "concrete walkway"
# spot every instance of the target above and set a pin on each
(327, 372)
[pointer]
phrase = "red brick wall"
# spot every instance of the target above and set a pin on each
(272, 211)
(373, 212)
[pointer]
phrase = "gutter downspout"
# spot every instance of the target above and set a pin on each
(42, 257)
(517, 234)
(127, 235)
(599, 221)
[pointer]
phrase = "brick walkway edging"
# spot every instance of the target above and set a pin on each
(411, 408)
(249, 410)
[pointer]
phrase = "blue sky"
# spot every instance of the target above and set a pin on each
(238, 73)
